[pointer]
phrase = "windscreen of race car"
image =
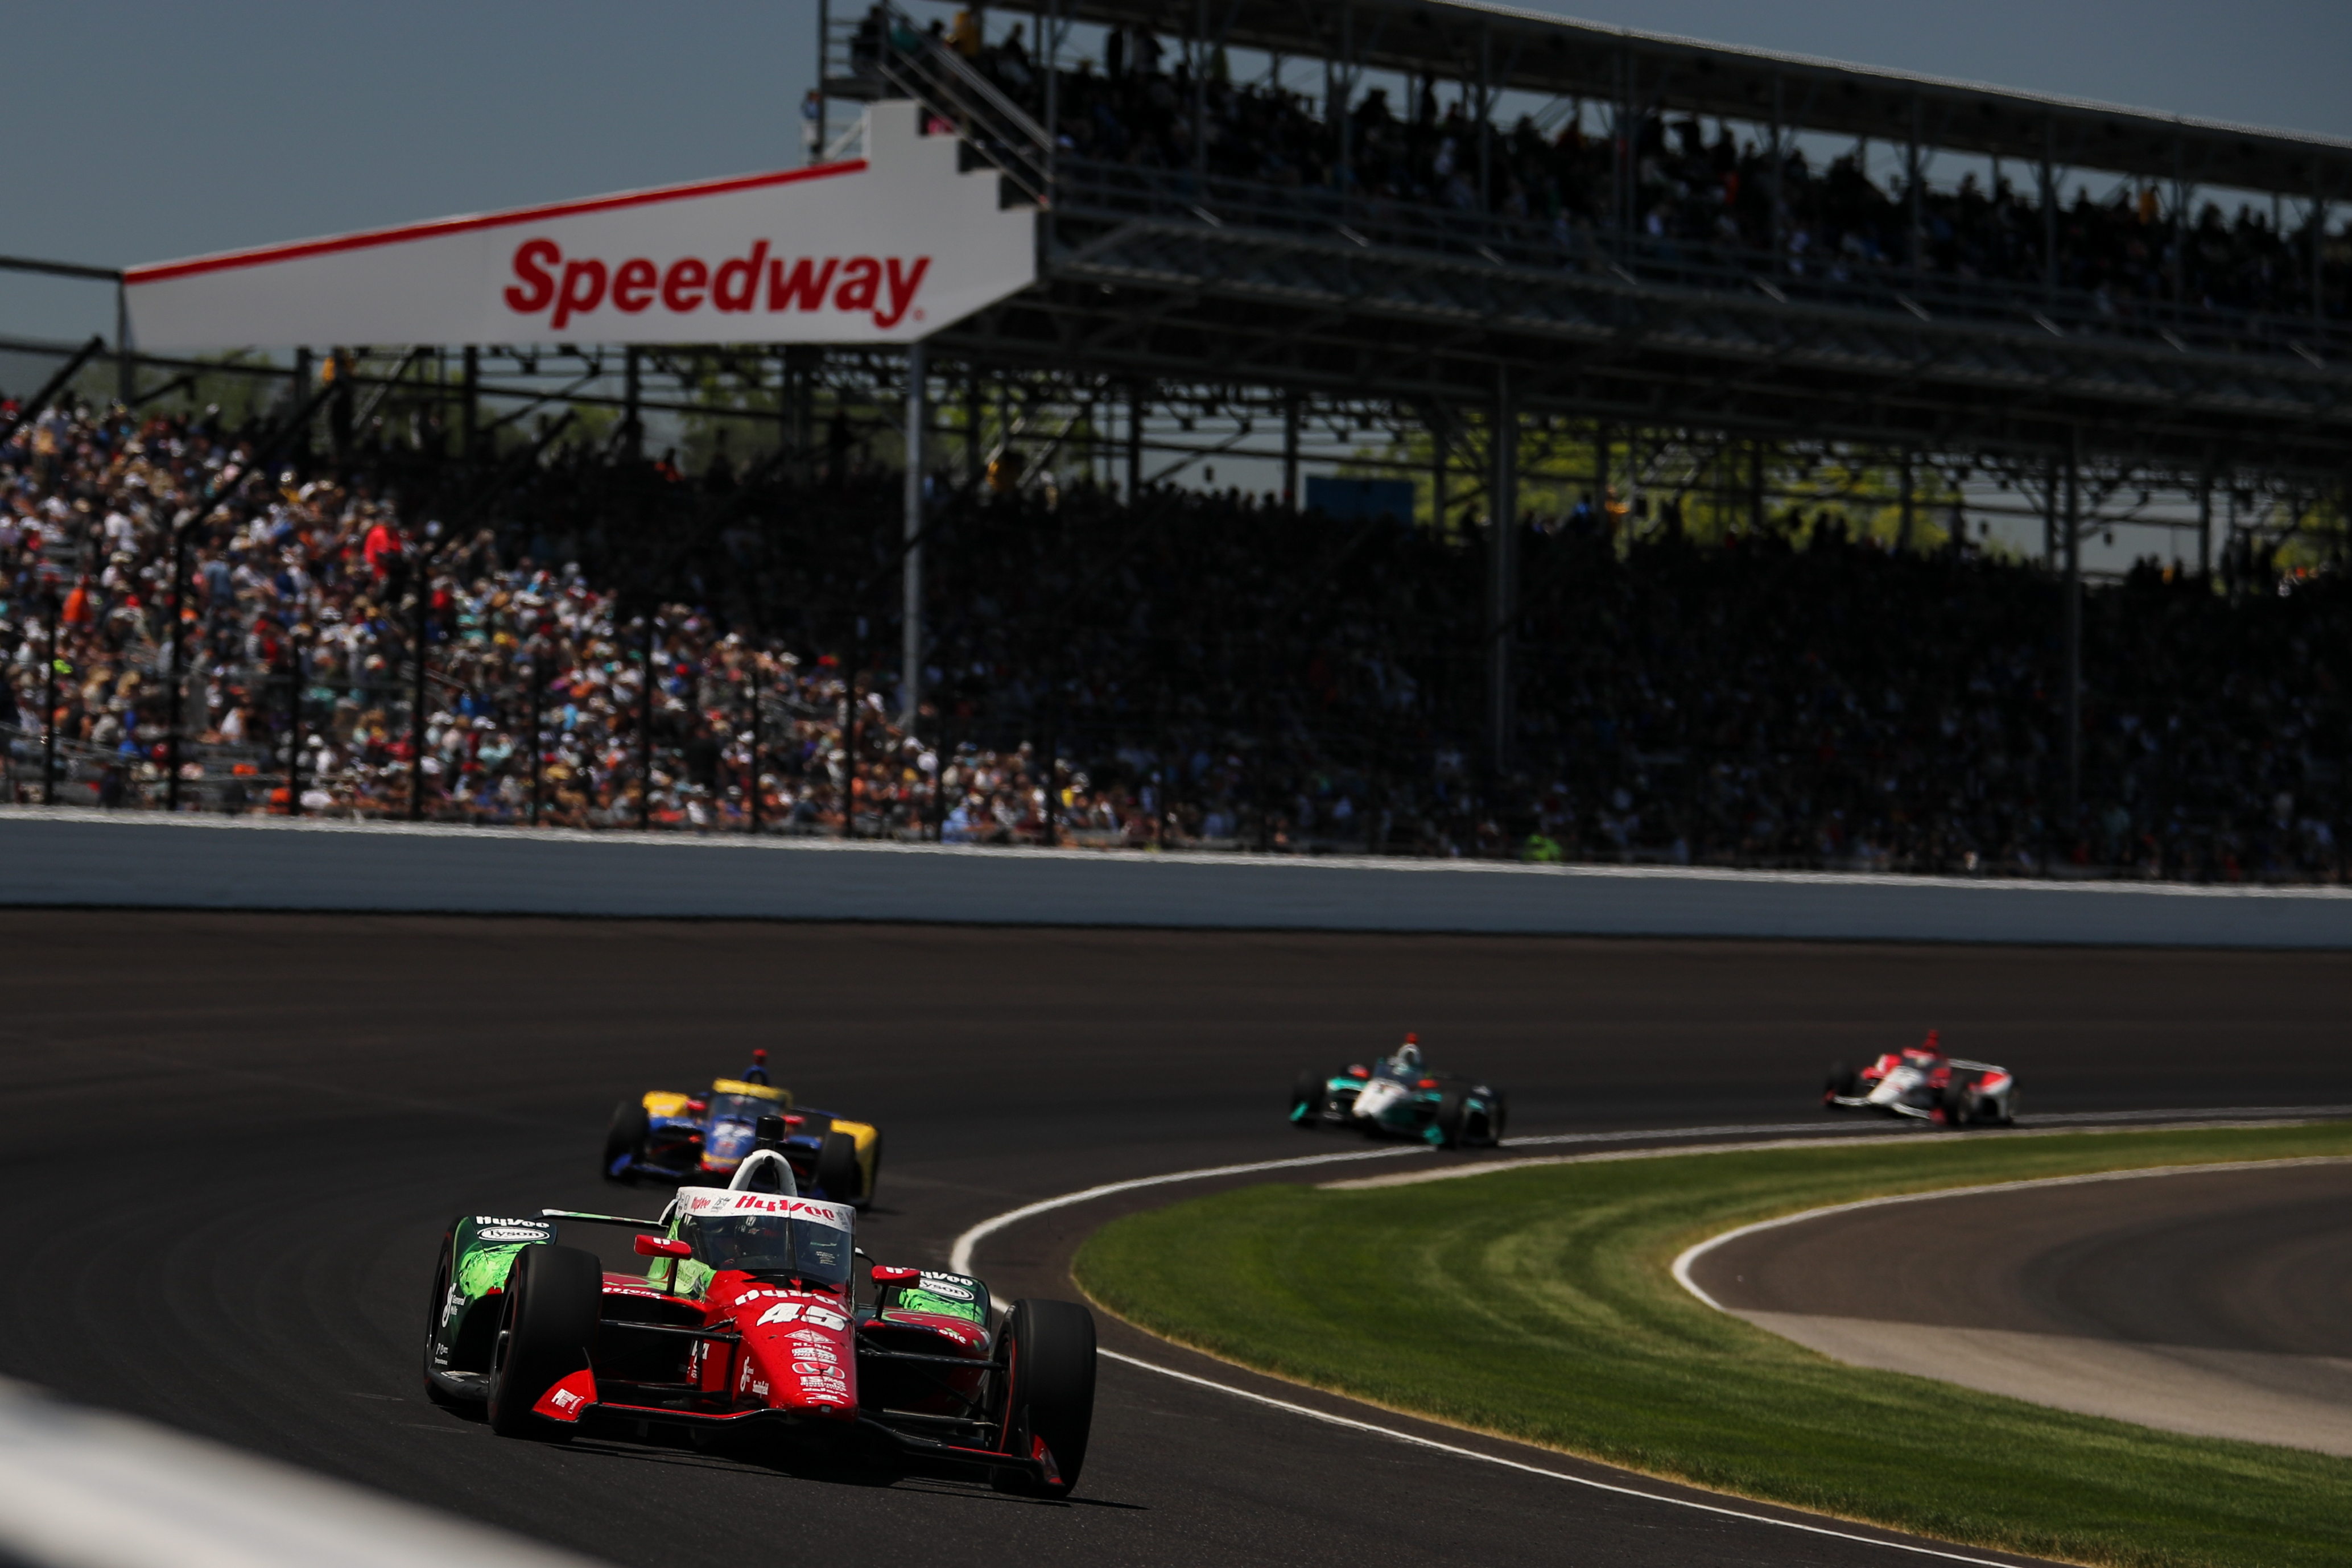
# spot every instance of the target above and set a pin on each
(771, 1244)
(739, 1108)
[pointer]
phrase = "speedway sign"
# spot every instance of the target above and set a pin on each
(885, 248)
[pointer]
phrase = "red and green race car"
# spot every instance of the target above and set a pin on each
(752, 1322)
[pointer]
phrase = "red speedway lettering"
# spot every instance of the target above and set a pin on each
(546, 280)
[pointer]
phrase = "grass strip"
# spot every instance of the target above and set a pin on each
(1537, 1304)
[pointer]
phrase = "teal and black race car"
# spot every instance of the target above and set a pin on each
(1403, 1098)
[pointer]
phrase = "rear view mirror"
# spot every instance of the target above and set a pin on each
(661, 1247)
(886, 1274)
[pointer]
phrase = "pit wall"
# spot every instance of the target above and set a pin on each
(65, 857)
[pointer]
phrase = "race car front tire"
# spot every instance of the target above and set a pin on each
(1049, 1398)
(626, 1135)
(434, 1309)
(1842, 1083)
(1306, 1089)
(553, 1297)
(1955, 1100)
(1453, 1119)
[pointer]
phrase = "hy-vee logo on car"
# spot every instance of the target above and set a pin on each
(710, 1200)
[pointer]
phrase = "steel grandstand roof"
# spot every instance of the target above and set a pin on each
(1537, 52)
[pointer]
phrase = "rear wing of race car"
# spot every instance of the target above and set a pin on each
(1975, 1066)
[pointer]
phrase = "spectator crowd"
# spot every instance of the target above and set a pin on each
(1674, 189)
(608, 643)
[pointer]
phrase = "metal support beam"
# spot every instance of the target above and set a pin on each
(1437, 460)
(633, 424)
(975, 450)
(126, 368)
(1905, 539)
(1137, 400)
(1479, 126)
(2050, 518)
(470, 421)
(2050, 211)
(647, 682)
(1780, 239)
(2072, 694)
(2318, 259)
(910, 652)
(1502, 569)
(1911, 197)
(1601, 479)
(2205, 521)
(823, 54)
(49, 707)
(1290, 451)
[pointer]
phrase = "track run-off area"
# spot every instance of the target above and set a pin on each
(236, 1139)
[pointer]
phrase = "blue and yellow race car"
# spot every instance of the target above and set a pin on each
(676, 1137)
(1402, 1098)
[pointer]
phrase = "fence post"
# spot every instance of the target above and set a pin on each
(49, 708)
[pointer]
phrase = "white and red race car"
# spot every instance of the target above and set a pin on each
(1923, 1084)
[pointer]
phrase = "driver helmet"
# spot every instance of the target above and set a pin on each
(1408, 1055)
(758, 1071)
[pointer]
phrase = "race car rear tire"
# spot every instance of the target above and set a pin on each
(836, 1167)
(626, 1134)
(1050, 1392)
(864, 1198)
(1308, 1089)
(1842, 1082)
(553, 1297)
(1453, 1119)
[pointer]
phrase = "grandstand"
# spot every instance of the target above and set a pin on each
(1626, 294)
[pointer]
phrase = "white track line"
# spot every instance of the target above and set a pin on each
(1691, 1254)
(1460, 1452)
(960, 1260)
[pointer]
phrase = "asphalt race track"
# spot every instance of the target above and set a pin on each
(2210, 1302)
(234, 1140)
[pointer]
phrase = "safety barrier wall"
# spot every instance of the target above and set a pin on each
(65, 857)
(90, 1488)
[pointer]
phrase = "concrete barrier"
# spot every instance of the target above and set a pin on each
(90, 1488)
(65, 857)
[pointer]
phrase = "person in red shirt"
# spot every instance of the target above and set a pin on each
(383, 549)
